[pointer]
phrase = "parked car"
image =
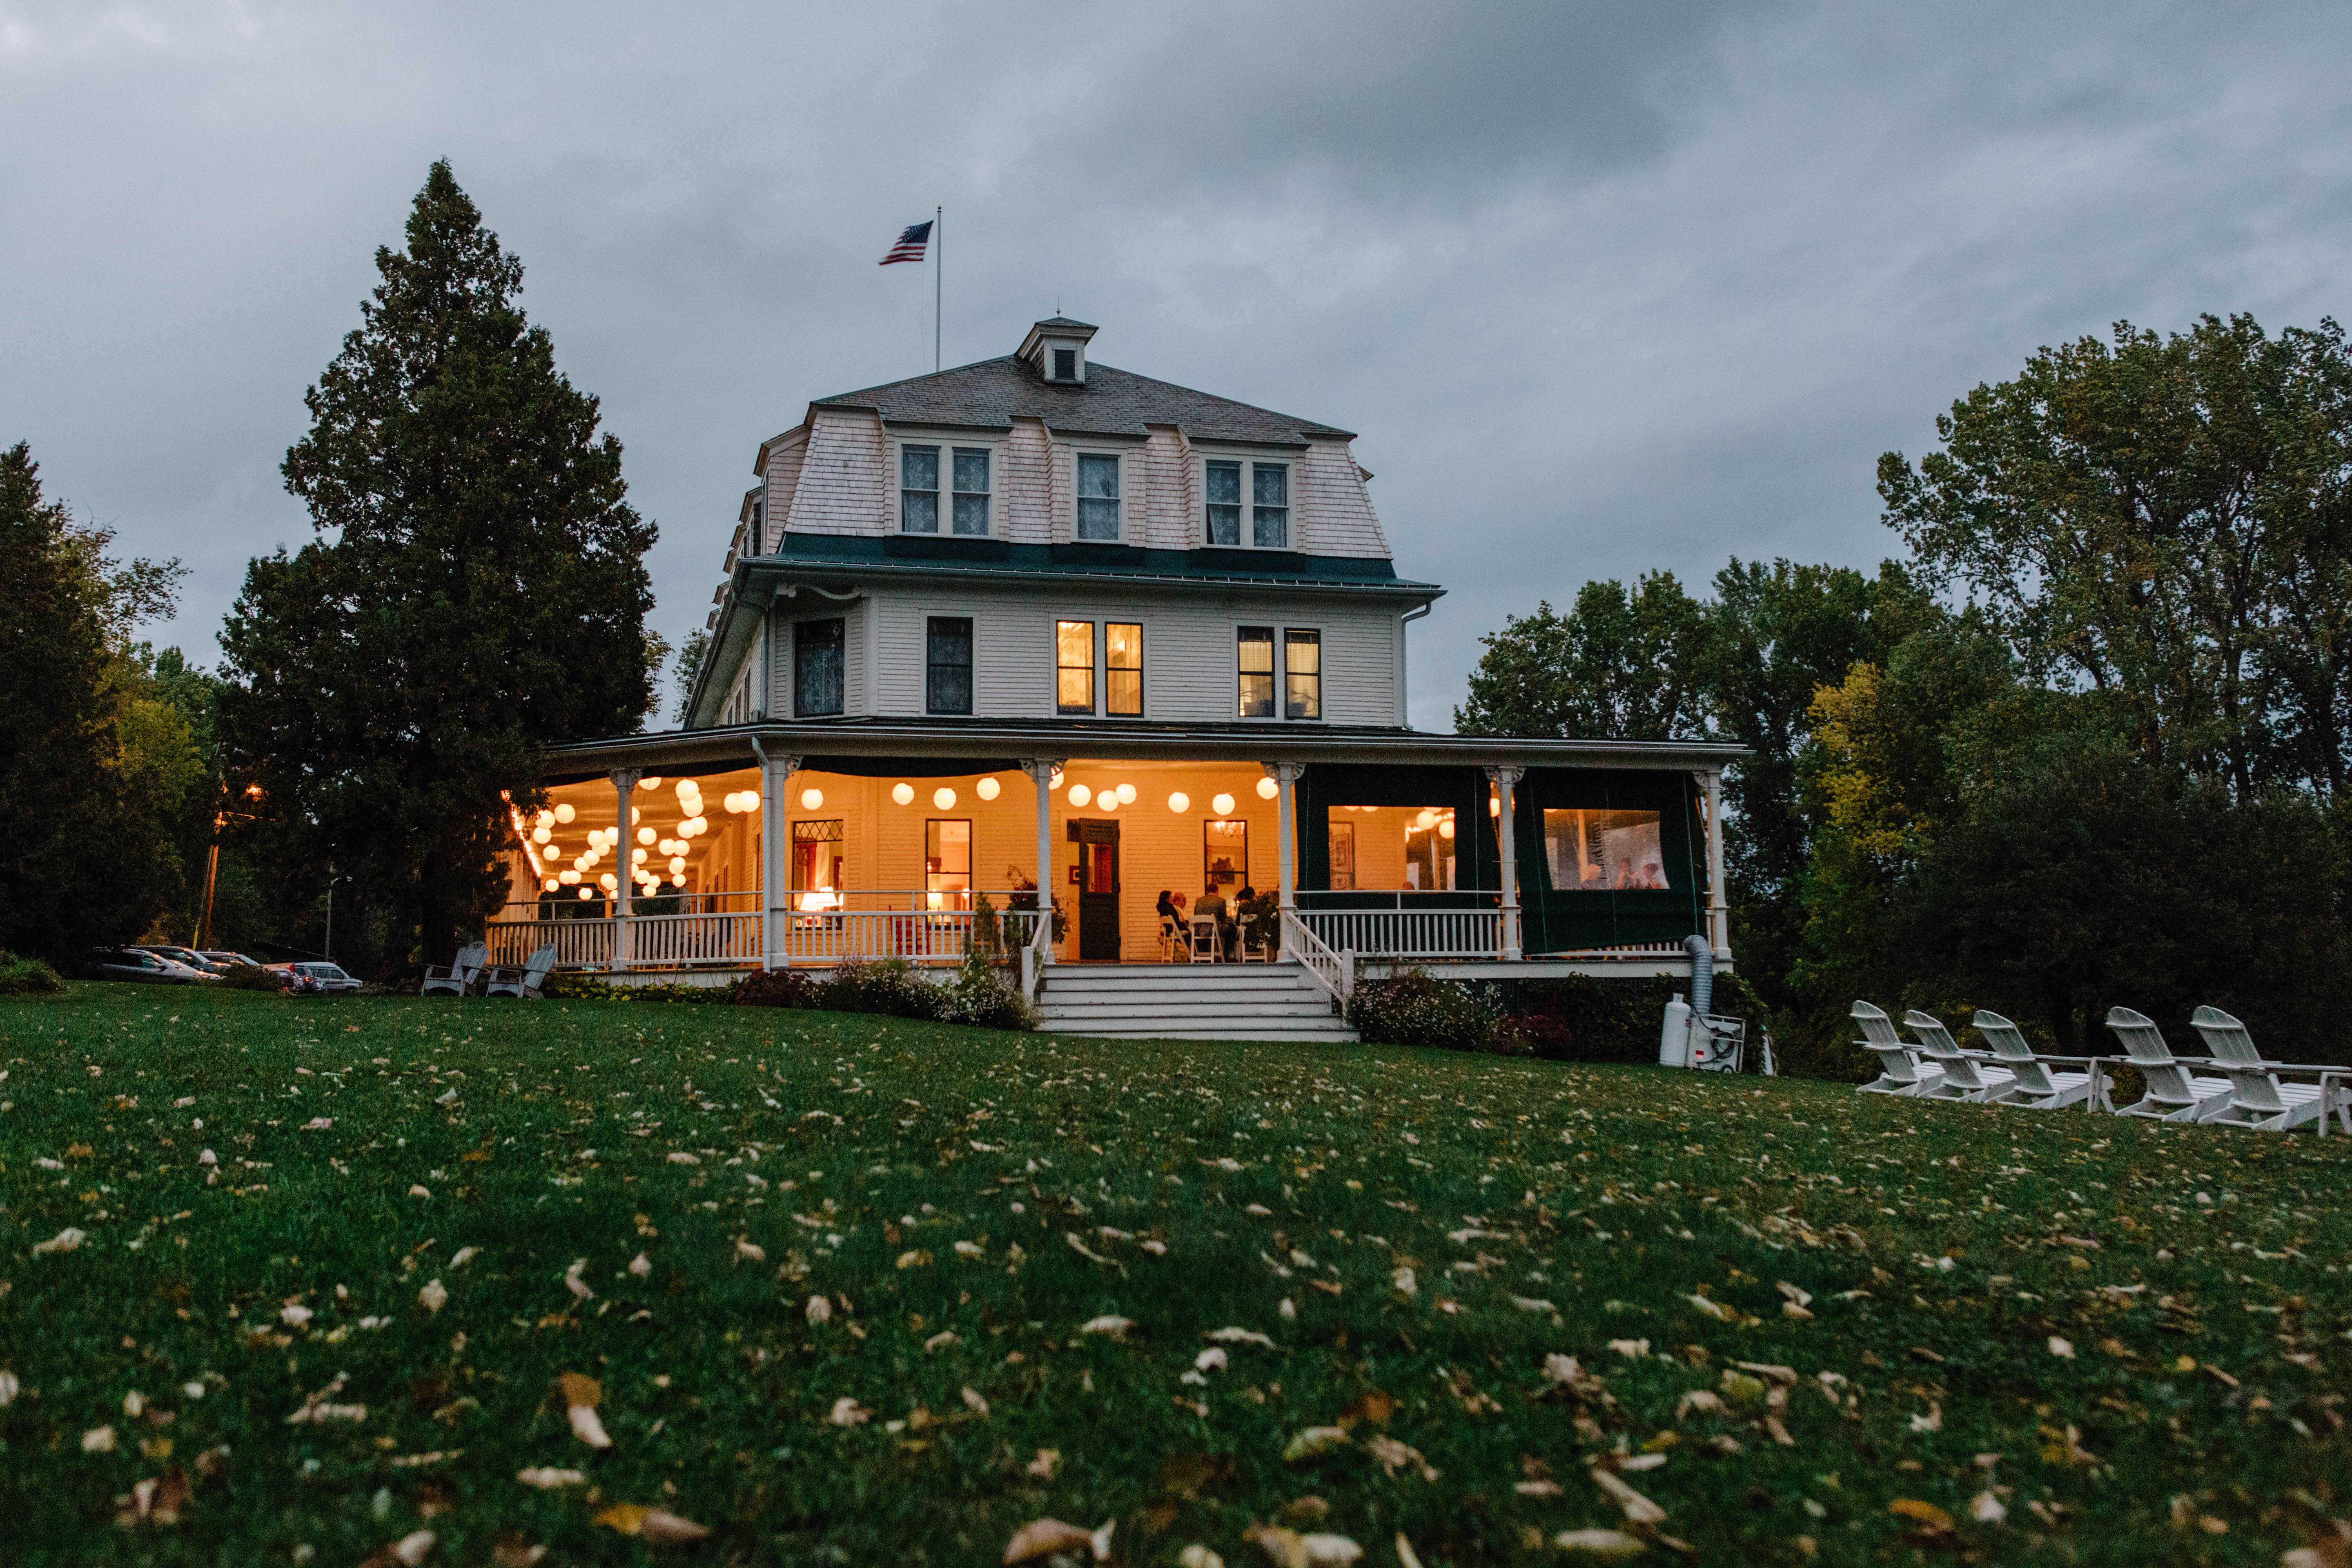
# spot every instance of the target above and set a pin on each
(200, 963)
(136, 964)
(225, 958)
(327, 977)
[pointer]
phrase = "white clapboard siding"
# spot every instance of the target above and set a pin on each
(1188, 647)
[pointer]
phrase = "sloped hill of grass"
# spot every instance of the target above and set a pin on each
(849, 1289)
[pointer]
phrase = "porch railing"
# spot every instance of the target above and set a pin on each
(876, 924)
(1408, 932)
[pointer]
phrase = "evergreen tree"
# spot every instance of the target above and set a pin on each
(91, 766)
(477, 590)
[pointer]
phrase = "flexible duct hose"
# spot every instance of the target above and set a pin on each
(1702, 957)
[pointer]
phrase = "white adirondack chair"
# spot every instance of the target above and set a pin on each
(1966, 1078)
(2257, 1096)
(2037, 1087)
(2174, 1092)
(526, 981)
(458, 978)
(1899, 1071)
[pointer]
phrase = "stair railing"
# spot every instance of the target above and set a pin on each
(1033, 956)
(1334, 972)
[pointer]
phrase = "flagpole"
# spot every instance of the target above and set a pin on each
(939, 261)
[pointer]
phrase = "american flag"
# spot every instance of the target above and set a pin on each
(910, 244)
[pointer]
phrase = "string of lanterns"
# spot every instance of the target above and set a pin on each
(652, 855)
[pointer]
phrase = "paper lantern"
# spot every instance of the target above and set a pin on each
(686, 787)
(751, 800)
(1080, 794)
(541, 835)
(549, 884)
(813, 798)
(943, 797)
(1493, 805)
(646, 836)
(732, 803)
(608, 881)
(1268, 789)
(986, 789)
(587, 892)
(544, 819)
(635, 816)
(1180, 803)
(652, 781)
(1107, 800)
(677, 863)
(636, 856)
(551, 852)
(1222, 806)
(904, 794)
(566, 812)
(1425, 820)
(695, 826)
(1127, 794)
(1446, 828)
(568, 877)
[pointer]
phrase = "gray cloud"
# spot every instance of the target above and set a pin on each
(1605, 288)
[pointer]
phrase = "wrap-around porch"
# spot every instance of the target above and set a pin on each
(715, 851)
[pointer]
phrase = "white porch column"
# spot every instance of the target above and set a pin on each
(624, 785)
(1718, 905)
(775, 862)
(1041, 772)
(1286, 775)
(1507, 824)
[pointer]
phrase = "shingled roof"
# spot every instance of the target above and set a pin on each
(1111, 402)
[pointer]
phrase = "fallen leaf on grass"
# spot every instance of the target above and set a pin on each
(1288, 1549)
(1638, 1509)
(1985, 1508)
(1603, 1544)
(1931, 1422)
(975, 1403)
(1045, 1537)
(1312, 1441)
(158, 1499)
(1558, 1368)
(1375, 1405)
(2059, 1347)
(432, 1297)
(1239, 1337)
(1109, 1323)
(1926, 1513)
(652, 1524)
(418, 1190)
(1394, 1455)
(581, 1395)
(820, 1310)
(1044, 1466)
(65, 1241)
(546, 1475)
(405, 1552)
(746, 1247)
(847, 1411)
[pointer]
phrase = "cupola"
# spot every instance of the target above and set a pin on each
(1056, 348)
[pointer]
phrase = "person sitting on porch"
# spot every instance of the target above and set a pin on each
(1173, 932)
(1210, 906)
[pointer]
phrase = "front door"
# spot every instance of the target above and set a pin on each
(1097, 891)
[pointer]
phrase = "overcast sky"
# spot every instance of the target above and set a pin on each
(1606, 289)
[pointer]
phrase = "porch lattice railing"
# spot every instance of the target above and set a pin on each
(890, 924)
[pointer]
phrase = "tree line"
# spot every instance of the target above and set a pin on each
(2082, 743)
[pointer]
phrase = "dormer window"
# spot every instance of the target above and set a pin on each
(1066, 365)
(967, 470)
(1248, 504)
(1099, 499)
(1055, 350)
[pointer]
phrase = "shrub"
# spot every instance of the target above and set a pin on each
(253, 977)
(1412, 1007)
(775, 988)
(26, 977)
(576, 987)
(979, 997)
(890, 987)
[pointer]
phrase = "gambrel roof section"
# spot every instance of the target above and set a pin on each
(992, 394)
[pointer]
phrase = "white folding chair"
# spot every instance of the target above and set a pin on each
(2036, 1087)
(2258, 1099)
(2174, 1093)
(1899, 1071)
(1964, 1077)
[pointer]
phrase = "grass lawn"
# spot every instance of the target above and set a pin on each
(2056, 1337)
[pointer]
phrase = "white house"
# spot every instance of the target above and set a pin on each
(1039, 619)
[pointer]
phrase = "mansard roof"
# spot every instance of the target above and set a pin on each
(993, 392)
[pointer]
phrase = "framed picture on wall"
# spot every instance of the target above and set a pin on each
(1225, 856)
(1343, 856)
